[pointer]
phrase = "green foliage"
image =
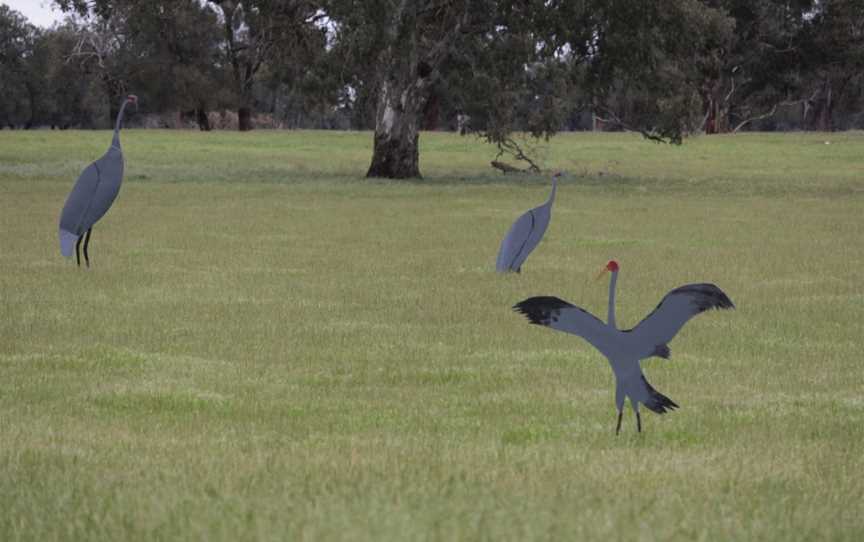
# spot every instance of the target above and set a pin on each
(258, 33)
(180, 42)
(665, 68)
(16, 44)
(185, 55)
(648, 59)
(834, 59)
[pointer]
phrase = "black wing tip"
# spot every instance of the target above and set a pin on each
(707, 296)
(722, 300)
(540, 310)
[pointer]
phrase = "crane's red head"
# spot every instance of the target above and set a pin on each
(132, 99)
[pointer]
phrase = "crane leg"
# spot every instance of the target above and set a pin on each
(618, 427)
(638, 422)
(87, 242)
(77, 251)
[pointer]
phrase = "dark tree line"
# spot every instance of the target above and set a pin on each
(665, 68)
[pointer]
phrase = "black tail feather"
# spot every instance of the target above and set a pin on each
(662, 351)
(657, 402)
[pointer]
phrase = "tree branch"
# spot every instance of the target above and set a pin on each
(615, 120)
(752, 119)
(769, 113)
(509, 145)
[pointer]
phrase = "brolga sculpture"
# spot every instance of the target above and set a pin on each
(93, 194)
(525, 234)
(626, 348)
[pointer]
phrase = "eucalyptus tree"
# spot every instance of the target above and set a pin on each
(37, 84)
(524, 65)
(757, 69)
(516, 75)
(833, 61)
(166, 49)
(16, 46)
(105, 46)
(296, 85)
(396, 53)
(644, 59)
(179, 44)
(807, 54)
(782, 53)
(398, 47)
(257, 32)
(204, 51)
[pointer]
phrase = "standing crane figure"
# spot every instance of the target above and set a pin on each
(525, 234)
(93, 194)
(625, 348)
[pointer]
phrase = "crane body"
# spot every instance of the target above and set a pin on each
(93, 194)
(525, 234)
(624, 349)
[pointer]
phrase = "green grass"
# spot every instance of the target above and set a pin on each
(271, 347)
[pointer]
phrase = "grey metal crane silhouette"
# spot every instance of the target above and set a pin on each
(525, 234)
(93, 194)
(625, 348)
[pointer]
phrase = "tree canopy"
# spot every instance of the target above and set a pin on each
(664, 68)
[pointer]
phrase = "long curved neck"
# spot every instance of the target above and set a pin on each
(116, 141)
(554, 188)
(612, 283)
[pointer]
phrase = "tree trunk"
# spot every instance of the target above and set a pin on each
(431, 113)
(31, 91)
(244, 119)
(717, 96)
(711, 118)
(717, 116)
(821, 106)
(396, 153)
(408, 67)
(826, 109)
(203, 120)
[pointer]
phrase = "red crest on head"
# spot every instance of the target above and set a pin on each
(612, 266)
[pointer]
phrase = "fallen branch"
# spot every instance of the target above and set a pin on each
(509, 145)
(507, 168)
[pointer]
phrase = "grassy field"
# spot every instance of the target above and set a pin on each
(271, 347)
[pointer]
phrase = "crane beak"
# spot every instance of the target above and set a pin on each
(601, 273)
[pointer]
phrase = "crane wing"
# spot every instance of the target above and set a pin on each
(563, 316)
(79, 200)
(93, 193)
(522, 238)
(675, 310)
(514, 247)
(110, 176)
